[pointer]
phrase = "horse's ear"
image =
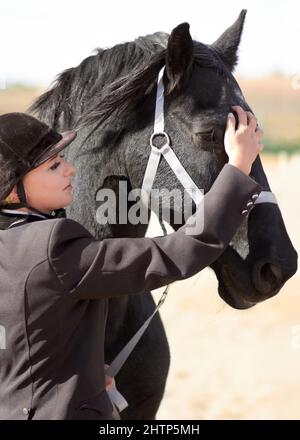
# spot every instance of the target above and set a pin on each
(227, 44)
(179, 55)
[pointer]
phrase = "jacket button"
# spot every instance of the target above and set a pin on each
(245, 211)
(249, 204)
(254, 196)
(25, 411)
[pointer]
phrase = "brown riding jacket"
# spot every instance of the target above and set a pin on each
(55, 279)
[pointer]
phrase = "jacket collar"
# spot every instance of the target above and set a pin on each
(10, 218)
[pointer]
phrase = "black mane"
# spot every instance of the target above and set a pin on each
(112, 82)
(74, 87)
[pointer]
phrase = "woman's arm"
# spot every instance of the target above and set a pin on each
(91, 269)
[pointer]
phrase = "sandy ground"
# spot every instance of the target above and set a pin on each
(229, 364)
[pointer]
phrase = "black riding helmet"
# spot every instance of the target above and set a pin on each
(25, 143)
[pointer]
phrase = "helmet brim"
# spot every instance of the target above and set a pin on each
(53, 150)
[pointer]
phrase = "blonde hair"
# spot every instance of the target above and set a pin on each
(7, 201)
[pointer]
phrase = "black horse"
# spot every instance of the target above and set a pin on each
(112, 94)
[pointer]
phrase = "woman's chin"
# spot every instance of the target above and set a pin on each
(68, 200)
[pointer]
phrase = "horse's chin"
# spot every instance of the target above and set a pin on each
(231, 294)
(234, 300)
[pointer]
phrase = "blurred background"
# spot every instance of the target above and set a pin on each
(226, 364)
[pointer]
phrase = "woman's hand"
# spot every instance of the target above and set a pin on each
(109, 381)
(243, 144)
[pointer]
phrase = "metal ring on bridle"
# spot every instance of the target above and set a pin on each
(160, 133)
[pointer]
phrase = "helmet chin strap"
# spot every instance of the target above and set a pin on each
(22, 197)
(24, 204)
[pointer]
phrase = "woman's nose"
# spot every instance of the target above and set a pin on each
(74, 170)
(71, 170)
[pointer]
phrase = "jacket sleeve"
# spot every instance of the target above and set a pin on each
(93, 269)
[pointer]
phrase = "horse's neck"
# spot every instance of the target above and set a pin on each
(93, 175)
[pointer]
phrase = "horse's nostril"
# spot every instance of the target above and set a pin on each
(267, 277)
(271, 270)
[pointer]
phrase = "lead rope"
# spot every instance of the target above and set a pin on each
(118, 401)
(115, 396)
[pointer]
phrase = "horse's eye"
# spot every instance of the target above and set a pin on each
(204, 138)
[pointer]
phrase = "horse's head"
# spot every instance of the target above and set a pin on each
(200, 92)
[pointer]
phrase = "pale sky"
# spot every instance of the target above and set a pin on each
(40, 38)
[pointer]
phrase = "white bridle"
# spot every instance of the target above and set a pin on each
(152, 166)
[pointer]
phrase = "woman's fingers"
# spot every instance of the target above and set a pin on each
(230, 122)
(244, 144)
(246, 118)
(261, 147)
(259, 134)
(242, 116)
(252, 121)
(109, 382)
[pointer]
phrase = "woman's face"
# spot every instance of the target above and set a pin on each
(48, 187)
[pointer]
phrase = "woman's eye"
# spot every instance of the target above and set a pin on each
(55, 165)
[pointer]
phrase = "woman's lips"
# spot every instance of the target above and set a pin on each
(69, 187)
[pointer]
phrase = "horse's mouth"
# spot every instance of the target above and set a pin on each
(229, 293)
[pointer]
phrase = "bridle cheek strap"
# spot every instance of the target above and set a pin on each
(167, 152)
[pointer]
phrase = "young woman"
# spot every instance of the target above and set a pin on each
(55, 278)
